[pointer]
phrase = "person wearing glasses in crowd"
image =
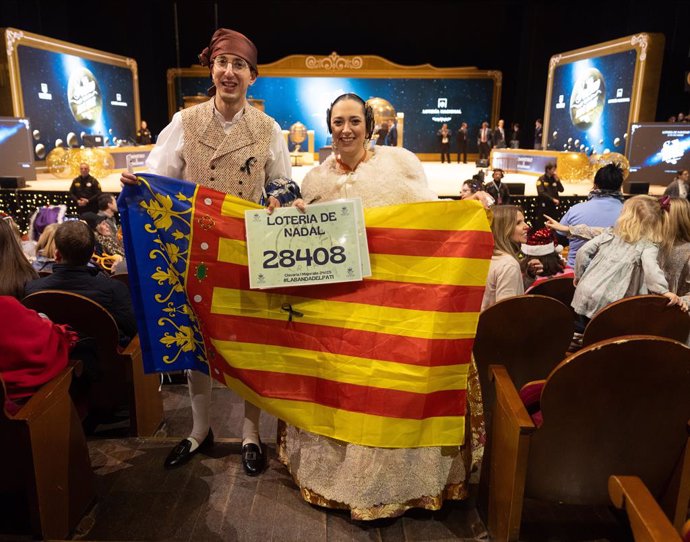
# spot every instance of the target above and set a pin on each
(229, 146)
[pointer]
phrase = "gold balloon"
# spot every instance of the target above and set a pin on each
(57, 163)
(100, 161)
(601, 160)
(574, 167)
(383, 110)
(64, 163)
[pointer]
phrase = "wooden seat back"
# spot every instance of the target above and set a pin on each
(560, 288)
(638, 315)
(618, 407)
(44, 460)
(91, 321)
(528, 334)
(122, 380)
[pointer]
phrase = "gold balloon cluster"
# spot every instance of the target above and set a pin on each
(64, 163)
(601, 160)
(574, 167)
(578, 167)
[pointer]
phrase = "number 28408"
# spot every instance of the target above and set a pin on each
(289, 258)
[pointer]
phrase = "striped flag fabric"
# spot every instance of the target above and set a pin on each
(382, 362)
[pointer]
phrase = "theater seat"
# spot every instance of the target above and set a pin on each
(122, 380)
(44, 460)
(640, 315)
(619, 406)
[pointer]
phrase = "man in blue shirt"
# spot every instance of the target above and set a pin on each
(601, 209)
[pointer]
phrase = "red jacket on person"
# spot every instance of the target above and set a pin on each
(33, 351)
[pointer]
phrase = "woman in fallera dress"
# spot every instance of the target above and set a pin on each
(375, 483)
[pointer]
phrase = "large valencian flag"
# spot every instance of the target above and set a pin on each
(382, 362)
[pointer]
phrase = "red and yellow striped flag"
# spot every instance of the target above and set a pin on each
(382, 362)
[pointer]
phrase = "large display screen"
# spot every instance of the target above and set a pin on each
(590, 103)
(657, 151)
(426, 103)
(16, 150)
(66, 96)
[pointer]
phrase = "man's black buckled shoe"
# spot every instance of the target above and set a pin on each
(253, 459)
(181, 453)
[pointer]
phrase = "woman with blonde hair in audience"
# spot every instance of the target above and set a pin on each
(505, 273)
(45, 250)
(15, 269)
(623, 262)
(675, 259)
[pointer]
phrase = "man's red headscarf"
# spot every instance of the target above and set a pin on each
(226, 41)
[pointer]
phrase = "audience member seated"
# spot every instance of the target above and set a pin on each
(505, 275)
(675, 259)
(107, 207)
(680, 186)
(624, 261)
(541, 245)
(604, 204)
(74, 245)
(34, 350)
(473, 189)
(106, 237)
(27, 245)
(15, 269)
(45, 250)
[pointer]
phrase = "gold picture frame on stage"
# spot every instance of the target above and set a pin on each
(12, 102)
(335, 65)
(648, 49)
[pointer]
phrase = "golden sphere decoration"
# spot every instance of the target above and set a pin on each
(383, 110)
(574, 167)
(57, 162)
(100, 162)
(64, 163)
(298, 134)
(601, 160)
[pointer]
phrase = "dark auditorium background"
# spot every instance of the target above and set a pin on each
(516, 37)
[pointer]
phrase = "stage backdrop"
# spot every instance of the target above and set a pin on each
(68, 91)
(301, 88)
(594, 93)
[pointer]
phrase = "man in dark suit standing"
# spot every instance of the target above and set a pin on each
(499, 135)
(484, 141)
(392, 137)
(538, 131)
(462, 142)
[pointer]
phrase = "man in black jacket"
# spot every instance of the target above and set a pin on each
(74, 245)
(85, 190)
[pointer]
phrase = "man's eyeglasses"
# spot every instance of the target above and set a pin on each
(238, 65)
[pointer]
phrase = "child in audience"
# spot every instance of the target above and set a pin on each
(45, 249)
(675, 259)
(541, 244)
(623, 262)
